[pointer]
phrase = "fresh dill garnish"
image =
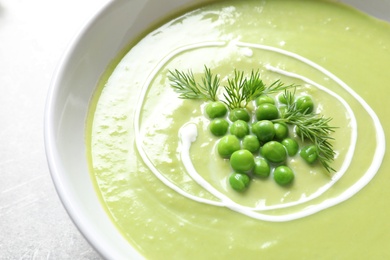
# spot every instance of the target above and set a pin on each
(210, 83)
(235, 95)
(254, 87)
(277, 87)
(310, 126)
(241, 90)
(188, 88)
(238, 93)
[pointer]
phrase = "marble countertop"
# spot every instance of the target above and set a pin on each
(33, 36)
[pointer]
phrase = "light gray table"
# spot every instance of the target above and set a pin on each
(33, 36)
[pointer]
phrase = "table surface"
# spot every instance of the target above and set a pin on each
(33, 36)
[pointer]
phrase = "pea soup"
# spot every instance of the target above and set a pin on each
(156, 158)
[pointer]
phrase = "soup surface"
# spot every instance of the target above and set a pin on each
(155, 163)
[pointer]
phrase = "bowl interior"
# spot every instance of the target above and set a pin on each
(73, 85)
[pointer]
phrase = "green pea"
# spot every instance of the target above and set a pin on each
(228, 145)
(309, 153)
(264, 99)
(274, 152)
(251, 143)
(283, 175)
(305, 104)
(281, 131)
(264, 130)
(282, 98)
(267, 111)
(239, 128)
(219, 126)
(216, 109)
(242, 161)
(262, 168)
(291, 146)
(239, 114)
(239, 181)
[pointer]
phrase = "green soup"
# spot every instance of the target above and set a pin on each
(169, 195)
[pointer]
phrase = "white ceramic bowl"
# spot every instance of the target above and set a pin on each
(73, 85)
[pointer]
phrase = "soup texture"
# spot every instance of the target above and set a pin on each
(155, 163)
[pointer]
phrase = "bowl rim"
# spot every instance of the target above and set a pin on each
(51, 147)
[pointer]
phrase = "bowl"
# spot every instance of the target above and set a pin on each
(72, 87)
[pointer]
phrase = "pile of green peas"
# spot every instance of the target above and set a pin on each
(255, 143)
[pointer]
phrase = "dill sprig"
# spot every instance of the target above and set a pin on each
(235, 91)
(254, 86)
(241, 90)
(210, 84)
(311, 126)
(277, 87)
(188, 88)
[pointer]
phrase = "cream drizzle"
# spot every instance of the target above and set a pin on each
(188, 134)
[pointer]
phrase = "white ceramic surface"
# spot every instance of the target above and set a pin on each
(67, 103)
